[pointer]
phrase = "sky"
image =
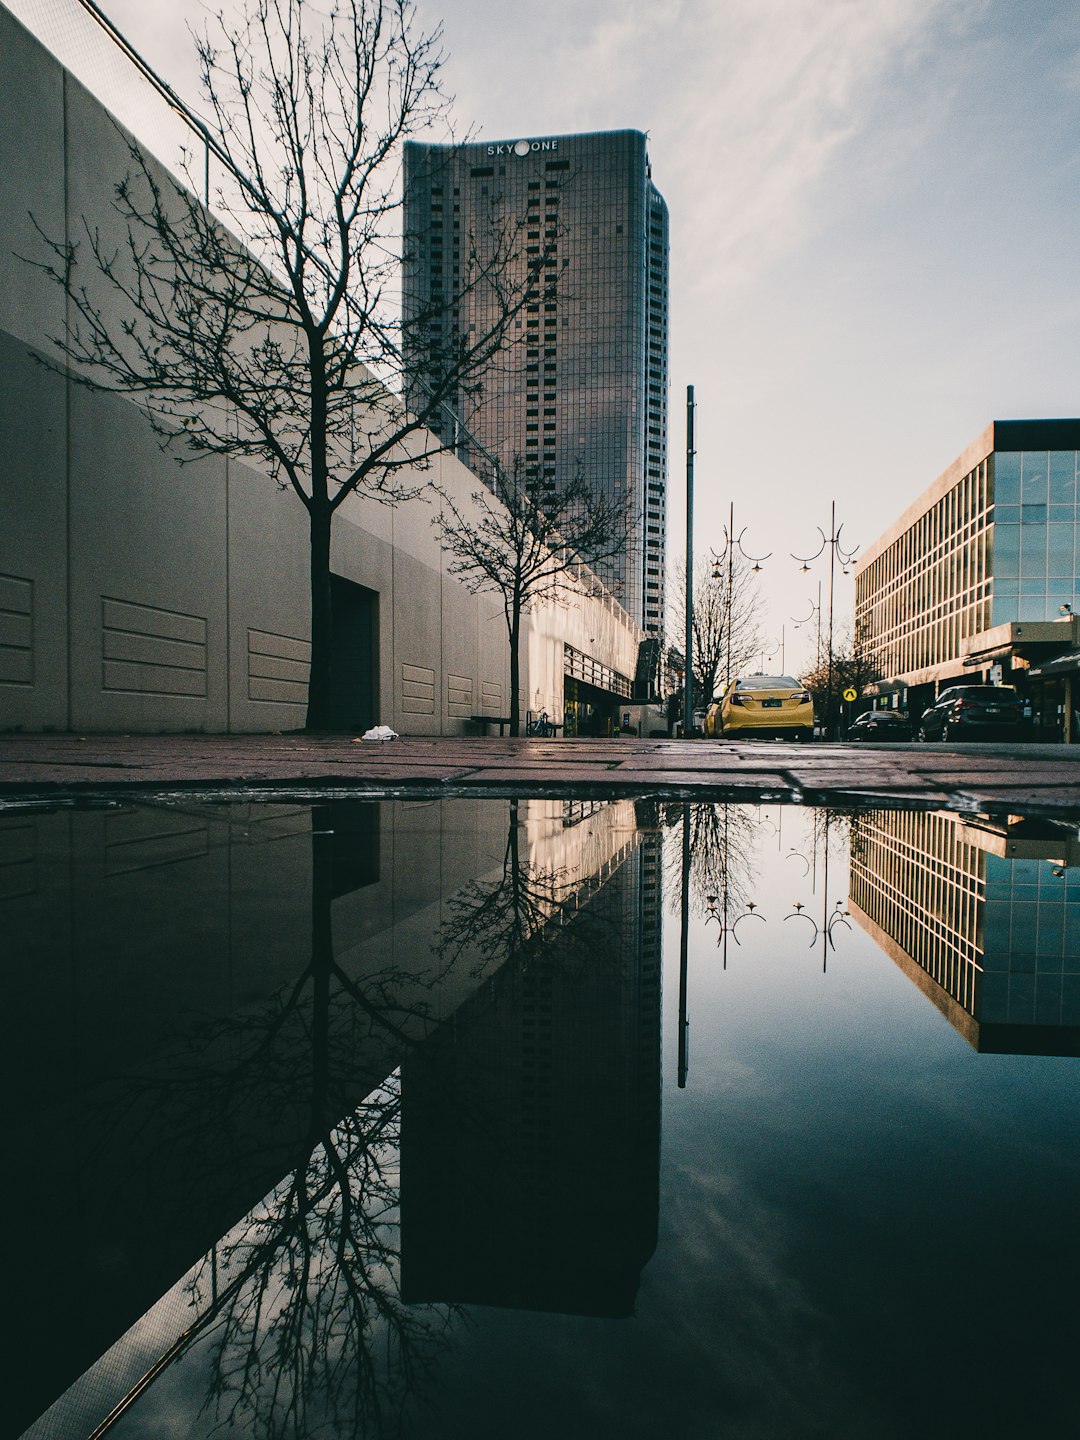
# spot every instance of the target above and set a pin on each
(875, 230)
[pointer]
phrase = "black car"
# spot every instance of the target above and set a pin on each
(975, 712)
(881, 725)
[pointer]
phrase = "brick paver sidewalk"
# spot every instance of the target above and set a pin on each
(996, 778)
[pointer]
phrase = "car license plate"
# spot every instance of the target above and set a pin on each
(771, 704)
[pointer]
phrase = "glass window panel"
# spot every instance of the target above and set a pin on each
(1006, 478)
(1033, 478)
(1060, 548)
(1032, 607)
(1006, 514)
(1034, 586)
(1005, 587)
(1033, 550)
(1006, 551)
(1005, 608)
(1062, 512)
(1062, 476)
(1031, 514)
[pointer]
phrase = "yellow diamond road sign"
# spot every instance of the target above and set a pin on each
(851, 694)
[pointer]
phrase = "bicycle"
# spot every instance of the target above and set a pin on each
(541, 726)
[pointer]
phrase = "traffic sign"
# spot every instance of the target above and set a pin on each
(851, 694)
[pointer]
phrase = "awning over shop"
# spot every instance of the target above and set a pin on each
(1035, 641)
(1060, 665)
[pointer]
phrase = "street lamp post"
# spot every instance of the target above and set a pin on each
(688, 677)
(780, 648)
(836, 551)
(815, 610)
(726, 558)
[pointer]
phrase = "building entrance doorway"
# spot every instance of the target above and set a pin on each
(353, 679)
(588, 710)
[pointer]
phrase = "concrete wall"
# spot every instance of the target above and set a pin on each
(139, 594)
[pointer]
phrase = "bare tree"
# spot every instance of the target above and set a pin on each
(287, 350)
(850, 665)
(528, 556)
(726, 632)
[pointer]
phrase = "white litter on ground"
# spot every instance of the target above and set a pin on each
(379, 732)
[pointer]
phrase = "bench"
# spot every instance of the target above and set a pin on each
(485, 720)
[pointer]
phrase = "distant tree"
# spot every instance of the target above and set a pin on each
(287, 350)
(851, 666)
(725, 630)
(527, 555)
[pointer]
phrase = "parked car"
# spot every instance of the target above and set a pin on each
(976, 712)
(760, 705)
(712, 719)
(881, 725)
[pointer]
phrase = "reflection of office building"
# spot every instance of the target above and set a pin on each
(971, 581)
(586, 394)
(531, 1127)
(984, 918)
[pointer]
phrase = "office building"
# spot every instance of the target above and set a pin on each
(979, 579)
(583, 390)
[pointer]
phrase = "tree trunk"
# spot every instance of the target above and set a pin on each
(515, 668)
(320, 679)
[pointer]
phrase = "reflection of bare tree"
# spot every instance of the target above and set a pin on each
(306, 1332)
(722, 870)
(300, 1321)
(527, 914)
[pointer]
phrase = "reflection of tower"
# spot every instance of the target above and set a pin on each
(983, 917)
(531, 1126)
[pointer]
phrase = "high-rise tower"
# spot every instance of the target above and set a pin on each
(585, 391)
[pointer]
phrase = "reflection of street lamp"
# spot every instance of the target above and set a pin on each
(719, 913)
(726, 558)
(836, 550)
(830, 919)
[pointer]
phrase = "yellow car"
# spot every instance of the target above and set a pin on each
(758, 705)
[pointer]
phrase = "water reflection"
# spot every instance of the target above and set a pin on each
(308, 1091)
(983, 917)
(319, 983)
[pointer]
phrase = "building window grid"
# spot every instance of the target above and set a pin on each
(930, 589)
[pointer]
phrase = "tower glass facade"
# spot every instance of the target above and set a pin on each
(581, 389)
(996, 539)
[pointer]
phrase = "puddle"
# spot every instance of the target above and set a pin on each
(469, 1117)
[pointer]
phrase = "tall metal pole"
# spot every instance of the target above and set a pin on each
(831, 707)
(730, 594)
(688, 678)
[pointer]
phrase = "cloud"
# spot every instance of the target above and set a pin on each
(747, 102)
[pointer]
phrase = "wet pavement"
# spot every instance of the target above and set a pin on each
(993, 779)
